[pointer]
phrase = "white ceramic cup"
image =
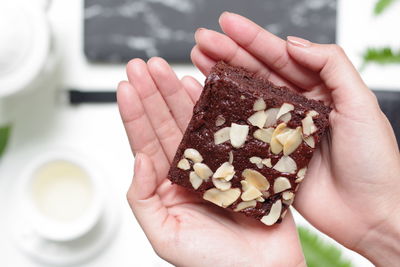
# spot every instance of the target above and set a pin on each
(45, 224)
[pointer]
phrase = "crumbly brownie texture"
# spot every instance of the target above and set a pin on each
(248, 144)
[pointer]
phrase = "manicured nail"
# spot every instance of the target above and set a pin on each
(138, 162)
(296, 41)
(223, 14)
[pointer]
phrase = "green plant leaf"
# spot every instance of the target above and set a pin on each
(384, 55)
(382, 5)
(319, 253)
(4, 136)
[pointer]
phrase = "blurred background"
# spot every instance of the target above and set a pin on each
(65, 163)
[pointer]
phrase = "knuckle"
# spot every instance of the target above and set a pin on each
(280, 61)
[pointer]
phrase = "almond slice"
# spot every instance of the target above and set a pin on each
(202, 170)
(281, 184)
(225, 171)
(285, 164)
(193, 154)
(220, 120)
(292, 142)
(222, 198)
(260, 199)
(284, 135)
(310, 141)
(271, 117)
(251, 193)
(258, 119)
(312, 113)
(308, 126)
(222, 135)
(256, 179)
(245, 204)
(267, 162)
(259, 105)
(301, 174)
(286, 117)
(221, 184)
(285, 108)
(287, 195)
(255, 160)
(273, 214)
(230, 160)
(195, 180)
(276, 146)
(263, 134)
(183, 164)
(289, 201)
(238, 134)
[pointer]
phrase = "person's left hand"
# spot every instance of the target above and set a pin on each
(156, 107)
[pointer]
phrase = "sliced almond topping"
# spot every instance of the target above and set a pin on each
(267, 162)
(245, 204)
(202, 170)
(300, 175)
(220, 120)
(310, 141)
(255, 160)
(221, 184)
(286, 117)
(292, 142)
(256, 179)
(238, 134)
(289, 201)
(222, 135)
(184, 164)
(245, 185)
(258, 119)
(242, 97)
(286, 164)
(287, 195)
(308, 126)
(266, 194)
(260, 199)
(284, 135)
(230, 157)
(276, 146)
(264, 134)
(271, 117)
(273, 214)
(251, 193)
(312, 113)
(285, 108)
(259, 105)
(195, 180)
(224, 170)
(222, 198)
(281, 184)
(193, 155)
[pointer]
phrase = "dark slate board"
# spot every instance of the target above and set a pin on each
(118, 30)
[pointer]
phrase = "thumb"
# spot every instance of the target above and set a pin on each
(336, 71)
(144, 200)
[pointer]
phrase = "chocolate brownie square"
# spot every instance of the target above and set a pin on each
(248, 144)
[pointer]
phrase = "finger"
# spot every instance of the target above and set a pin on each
(141, 135)
(218, 47)
(193, 87)
(156, 109)
(201, 61)
(143, 199)
(335, 69)
(171, 89)
(268, 48)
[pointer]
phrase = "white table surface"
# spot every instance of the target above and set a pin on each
(44, 121)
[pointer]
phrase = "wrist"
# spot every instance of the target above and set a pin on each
(381, 244)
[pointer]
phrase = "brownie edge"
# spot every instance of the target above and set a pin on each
(248, 144)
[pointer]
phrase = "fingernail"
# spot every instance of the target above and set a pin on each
(222, 14)
(200, 29)
(297, 41)
(138, 162)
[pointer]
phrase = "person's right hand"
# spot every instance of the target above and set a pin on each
(351, 191)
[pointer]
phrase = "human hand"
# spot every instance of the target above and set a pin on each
(351, 191)
(184, 230)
